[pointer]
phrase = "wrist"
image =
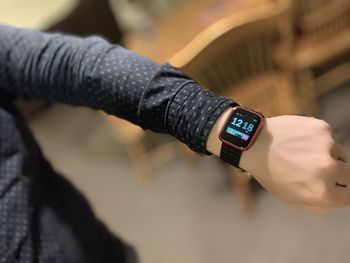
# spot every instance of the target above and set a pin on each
(259, 150)
(249, 158)
(213, 142)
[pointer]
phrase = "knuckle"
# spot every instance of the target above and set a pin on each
(327, 139)
(324, 196)
(327, 167)
(323, 125)
(320, 197)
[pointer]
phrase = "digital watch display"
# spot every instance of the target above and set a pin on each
(239, 133)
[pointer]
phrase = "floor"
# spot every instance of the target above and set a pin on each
(187, 214)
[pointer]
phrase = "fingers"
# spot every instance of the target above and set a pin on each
(307, 167)
(342, 176)
(338, 153)
(331, 194)
(341, 188)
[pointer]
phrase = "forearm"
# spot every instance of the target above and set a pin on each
(88, 72)
(91, 72)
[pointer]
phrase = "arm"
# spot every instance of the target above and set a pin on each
(91, 72)
(297, 159)
(304, 167)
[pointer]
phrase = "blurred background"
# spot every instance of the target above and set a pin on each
(278, 56)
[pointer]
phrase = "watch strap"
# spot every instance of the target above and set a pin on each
(230, 155)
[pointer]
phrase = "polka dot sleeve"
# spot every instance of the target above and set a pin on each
(91, 72)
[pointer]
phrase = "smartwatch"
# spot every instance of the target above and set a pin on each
(239, 133)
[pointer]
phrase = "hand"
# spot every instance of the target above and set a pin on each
(297, 159)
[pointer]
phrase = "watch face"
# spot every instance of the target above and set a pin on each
(240, 128)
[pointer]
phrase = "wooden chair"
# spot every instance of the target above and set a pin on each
(323, 41)
(247, 57)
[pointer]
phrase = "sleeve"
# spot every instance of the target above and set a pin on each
(91, 72)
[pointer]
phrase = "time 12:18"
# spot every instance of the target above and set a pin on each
(243, 124)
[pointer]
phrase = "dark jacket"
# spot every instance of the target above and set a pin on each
(42, 217)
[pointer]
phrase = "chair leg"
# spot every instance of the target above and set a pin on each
(190, 155)
(240, 184)
(141, 161)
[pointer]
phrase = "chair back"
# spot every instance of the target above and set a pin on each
(246, 56)
(323, 41)
(322, 19)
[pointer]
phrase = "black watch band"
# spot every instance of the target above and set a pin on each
(230, 155)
